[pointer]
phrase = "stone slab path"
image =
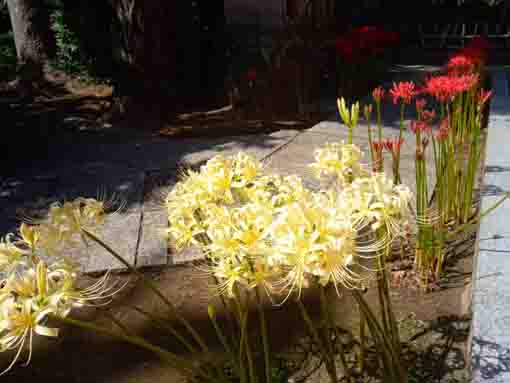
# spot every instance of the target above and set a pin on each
(490, 342)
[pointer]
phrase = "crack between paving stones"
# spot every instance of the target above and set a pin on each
(140, 226)
(277, 149)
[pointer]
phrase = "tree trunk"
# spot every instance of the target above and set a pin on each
(146, 53)
(31, 28)
(128, 54)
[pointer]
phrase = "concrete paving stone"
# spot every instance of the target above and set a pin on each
(260, 145)
(496, 183)
(187, 255)
(121, 233)
(153, 246)
(490, 343)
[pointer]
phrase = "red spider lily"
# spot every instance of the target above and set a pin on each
(378, 146)
(483, 96)
(367, 111)
(460, 64)
(378, 94)
(476, 55)
(465, 82)
(420, 126)
(428, 116)
(444, 88)
(251, 75)
(393, 145)
(377, 150)
(362, 43)
(443, 130)
(420, 104)
(404, 91)
(439, 87)
(345, 48)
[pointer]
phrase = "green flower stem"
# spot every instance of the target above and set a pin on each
(379, 126)
(164, 325)
(390, 313)
(317, 339)
(370, 143)
(362, 340)
(118, 323)
(393, 371)
(242, 326)
(229, 311)
(151, 287)
(173, 360)
(327, 336)
(265, 340)
(476, 221)
(224, 341)
(244, 343)
(402, 112)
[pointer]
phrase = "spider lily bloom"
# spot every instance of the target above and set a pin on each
(378, 146)
(440, 87)
(428, 116)
(19, 322)
(381, 204)
(393, 145)
(377, 149)
(464, 82)
(444, 88)
(420, 127)
(404, 91)
(10, 254)
(64, 224)
(340, 160)
(312, 238)
(420, 104)
(483, 96)
(443, 130)
(460, 64)
(367, 111)
(378, 94)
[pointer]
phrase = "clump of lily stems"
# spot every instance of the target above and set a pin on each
(429, 234)
(456, 148)
(384, 331)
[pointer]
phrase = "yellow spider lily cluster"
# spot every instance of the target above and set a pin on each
(38, 281)
(271, 231)
(339, 160)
